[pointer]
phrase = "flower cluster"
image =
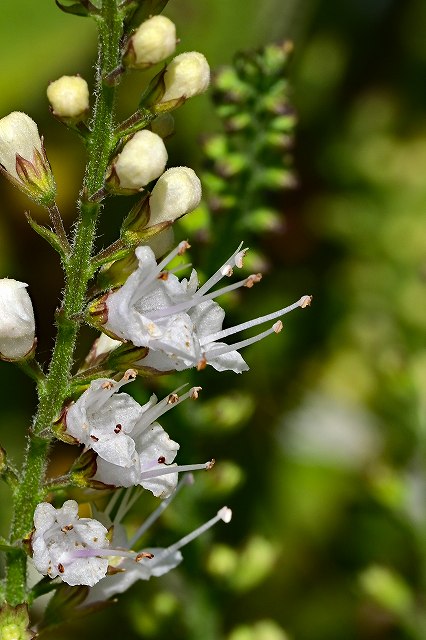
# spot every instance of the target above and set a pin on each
(131, 446)
(77, 550)
(178, 320)
(151, 321)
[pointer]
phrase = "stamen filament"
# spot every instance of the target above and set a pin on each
(154, 412)
(196, 300)
(218, 275)
(253, 323)
(187, 479)
(223, 514)
(163, 471)
(236, 346)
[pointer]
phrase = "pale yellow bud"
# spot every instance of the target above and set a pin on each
(142, 159)
(187, 75)
(152, 42)
(176, 192)
(69, 97)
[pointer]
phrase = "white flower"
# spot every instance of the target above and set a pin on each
(153, 41)
(23, 159)
(147, 562)
(67, 546)
(69, 97)
(187, 75)
(177, 191)
(17, 325)
(179, 321)
(133, 449)
(142, 159)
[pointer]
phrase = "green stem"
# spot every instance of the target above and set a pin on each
(78, 272)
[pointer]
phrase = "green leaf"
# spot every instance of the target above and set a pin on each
(46, 233)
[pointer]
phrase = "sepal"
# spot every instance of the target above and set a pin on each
(84, 466)
(50, 236)
(14, 623)
(138, 10)
(151, 97)
(82, 8)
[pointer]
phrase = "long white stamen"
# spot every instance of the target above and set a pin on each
(303, 302)
(163, 471)
(213, 353)
(188, 478)
(224, 514)
(220, 273)
(150, 415)
(129, 499)
(110, 387)
(172, 351)
(196, 300)
(177, 251)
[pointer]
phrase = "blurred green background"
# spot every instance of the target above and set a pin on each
(321, 446)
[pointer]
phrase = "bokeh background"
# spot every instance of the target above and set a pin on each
(321, 446)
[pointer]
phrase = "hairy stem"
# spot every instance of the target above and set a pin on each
(78, 272)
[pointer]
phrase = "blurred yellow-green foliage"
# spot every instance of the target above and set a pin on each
(321, 446)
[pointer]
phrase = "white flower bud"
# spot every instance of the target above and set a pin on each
(18, 134)
(152, 42)
(142, 159)
(17, 325)
(69, 97)
(187, 75)
(177, 192)
(23, 157)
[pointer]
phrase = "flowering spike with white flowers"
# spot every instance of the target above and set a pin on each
(152, 321)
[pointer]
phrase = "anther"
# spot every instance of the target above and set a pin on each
(143, 555)
(210, 464)
(61, 568)
(183, 246)
(173, 398)
(94, 438)
(277, 327)
(164, 275)
(107, 385)
(130, 374)
(161, 460)
(68, 527)
(193, 394)
(118, 428)
(240, 257)
(227, 270)
(253, 279)
(202, 364)
(305, 302)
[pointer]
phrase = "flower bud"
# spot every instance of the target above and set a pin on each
(152, 42)
(17, 325)
(23, 158)
(177, 191)
(69, 97)
(187, 75)
(142, 159)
